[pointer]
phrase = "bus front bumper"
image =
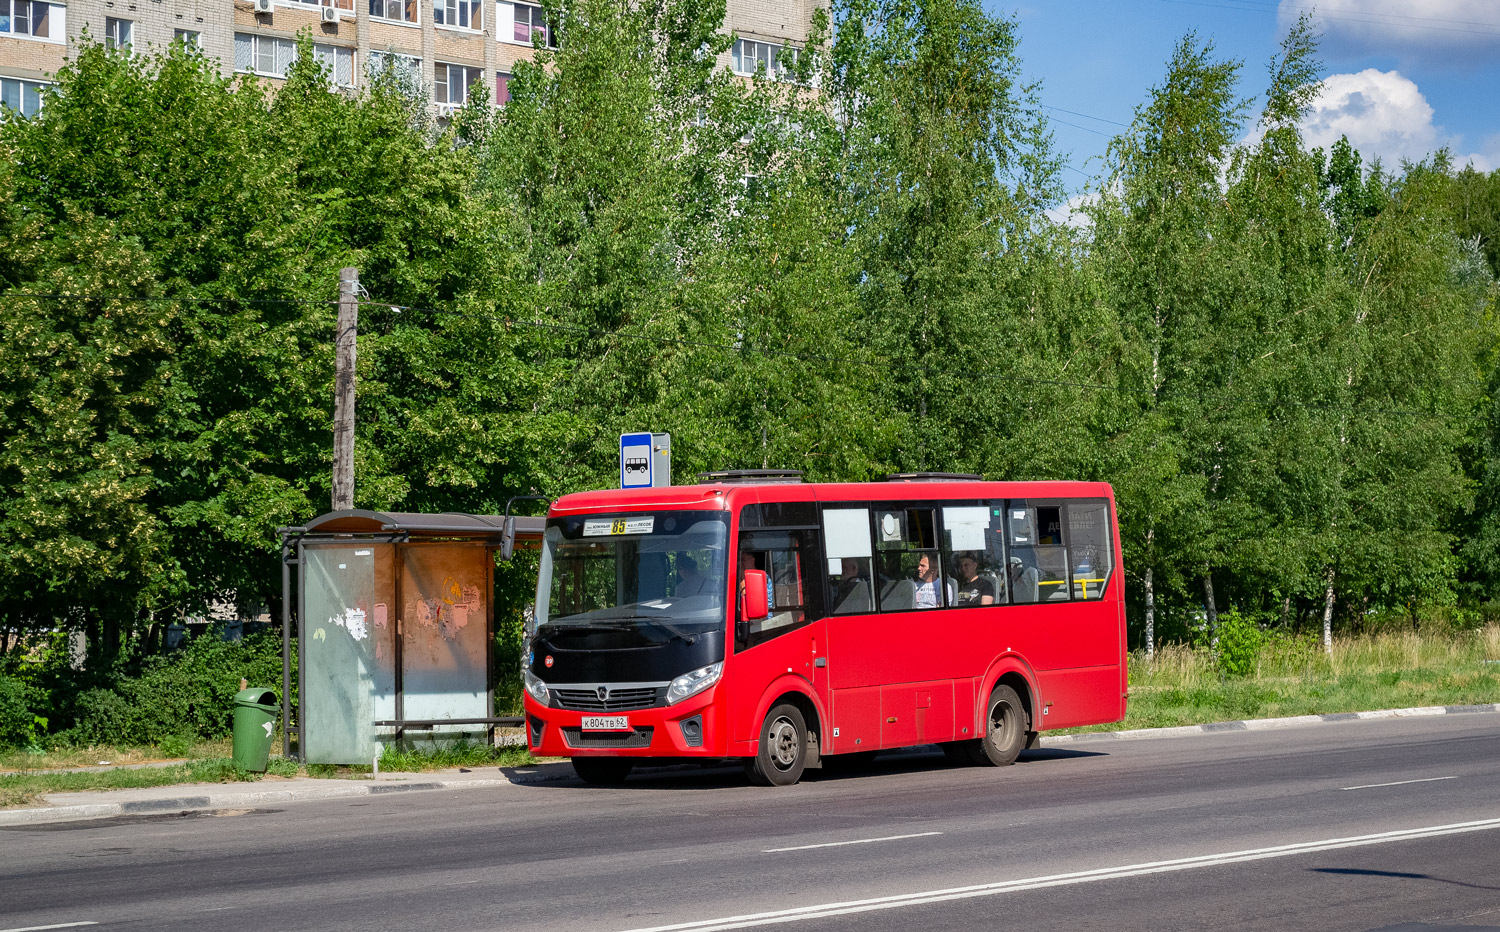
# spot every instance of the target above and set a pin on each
(691, 728)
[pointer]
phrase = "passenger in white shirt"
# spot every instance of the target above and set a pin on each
(927, 584)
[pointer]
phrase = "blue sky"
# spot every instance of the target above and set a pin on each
(1402, 77)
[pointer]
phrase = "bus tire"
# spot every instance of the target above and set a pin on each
(1005, 728)
(603, 771)
(783, 748)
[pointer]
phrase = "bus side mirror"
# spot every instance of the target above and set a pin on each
(755, 595)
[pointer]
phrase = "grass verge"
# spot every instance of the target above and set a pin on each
(1183, 686)
(21, 789)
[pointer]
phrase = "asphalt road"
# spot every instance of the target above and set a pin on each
(1389, 825)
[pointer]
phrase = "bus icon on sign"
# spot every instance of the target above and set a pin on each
(638, 464)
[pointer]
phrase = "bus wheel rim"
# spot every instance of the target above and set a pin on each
(1000, 720)
(783, 742)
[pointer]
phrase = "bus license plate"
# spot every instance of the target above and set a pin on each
(606, 723)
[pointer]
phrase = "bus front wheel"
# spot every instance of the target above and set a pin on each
(1005, 730)
(603, 771)
(783, 748)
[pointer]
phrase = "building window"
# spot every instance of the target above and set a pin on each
(459, 14)
(450, 83)
(33, 18)
(263, 55)
(397, 11)
(751, 56)
(521, 21)
(406, 69)
(118, 33)
(502, 88)
(338, 62)
(189, 38)
(23, 97)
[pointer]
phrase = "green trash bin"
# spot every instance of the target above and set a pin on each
(255, 712)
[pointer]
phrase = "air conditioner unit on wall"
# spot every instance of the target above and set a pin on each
(261, 6)
(330, 14)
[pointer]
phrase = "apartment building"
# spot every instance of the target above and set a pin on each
(449, 45)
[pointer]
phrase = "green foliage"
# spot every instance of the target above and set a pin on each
(462, 754)
(1283, 359)
(20, 725)
(188, 694)
(1239, 643)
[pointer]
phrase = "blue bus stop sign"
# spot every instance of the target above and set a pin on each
(635, 461)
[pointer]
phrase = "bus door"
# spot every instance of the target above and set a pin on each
(791, 639)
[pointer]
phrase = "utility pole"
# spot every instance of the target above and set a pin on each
(343, 390)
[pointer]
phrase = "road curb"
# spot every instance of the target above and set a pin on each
(243, 799)
(231, 800)
(1263, 724)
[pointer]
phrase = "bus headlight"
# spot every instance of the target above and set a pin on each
(690, 684)
(536, 687)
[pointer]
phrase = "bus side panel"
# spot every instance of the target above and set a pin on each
(856, 718)
(916, 713)
(1069, 634)
(1080, 696)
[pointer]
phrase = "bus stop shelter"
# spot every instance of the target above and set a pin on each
(395, 622)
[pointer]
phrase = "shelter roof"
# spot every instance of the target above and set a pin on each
(449, 524)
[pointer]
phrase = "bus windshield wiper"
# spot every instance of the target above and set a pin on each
(675, 631)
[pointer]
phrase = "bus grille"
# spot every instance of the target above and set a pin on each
(637, 738)
(619, 700)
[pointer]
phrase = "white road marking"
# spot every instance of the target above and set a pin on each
(1371, 786)
(862, 841)
(827, 910)
(60, 925)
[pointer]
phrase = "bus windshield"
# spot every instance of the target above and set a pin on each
(664, 570)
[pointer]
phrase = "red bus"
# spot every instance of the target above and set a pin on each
(790, 624)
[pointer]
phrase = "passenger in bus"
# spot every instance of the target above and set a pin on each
(689, 581)
(853, 592)
(973, 589)
(1023, 581)
(927, 584)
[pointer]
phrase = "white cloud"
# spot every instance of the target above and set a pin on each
(1385, 114)
(1430, 29)
(1071, 212)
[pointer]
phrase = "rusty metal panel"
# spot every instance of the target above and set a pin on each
(348, 642)
(445, 592)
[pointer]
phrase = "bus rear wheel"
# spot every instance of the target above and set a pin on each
(783, 748)
(603, 771)
(1006, 727)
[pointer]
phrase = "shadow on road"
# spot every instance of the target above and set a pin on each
(1363, 872)
(717, 775)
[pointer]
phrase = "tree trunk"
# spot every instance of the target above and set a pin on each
(1150, 614)
(1286, 611)
(1213, 611)
(1328, 613)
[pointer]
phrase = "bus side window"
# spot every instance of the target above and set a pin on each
(909, 570)
(1037, 540)
(972, 556)
(1021, 572)
(782, 556)
(846, 536)
(1089, 547)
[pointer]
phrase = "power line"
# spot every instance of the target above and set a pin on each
(1086, 116)
(883, 364)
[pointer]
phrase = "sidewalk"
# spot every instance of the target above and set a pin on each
(101, 804)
